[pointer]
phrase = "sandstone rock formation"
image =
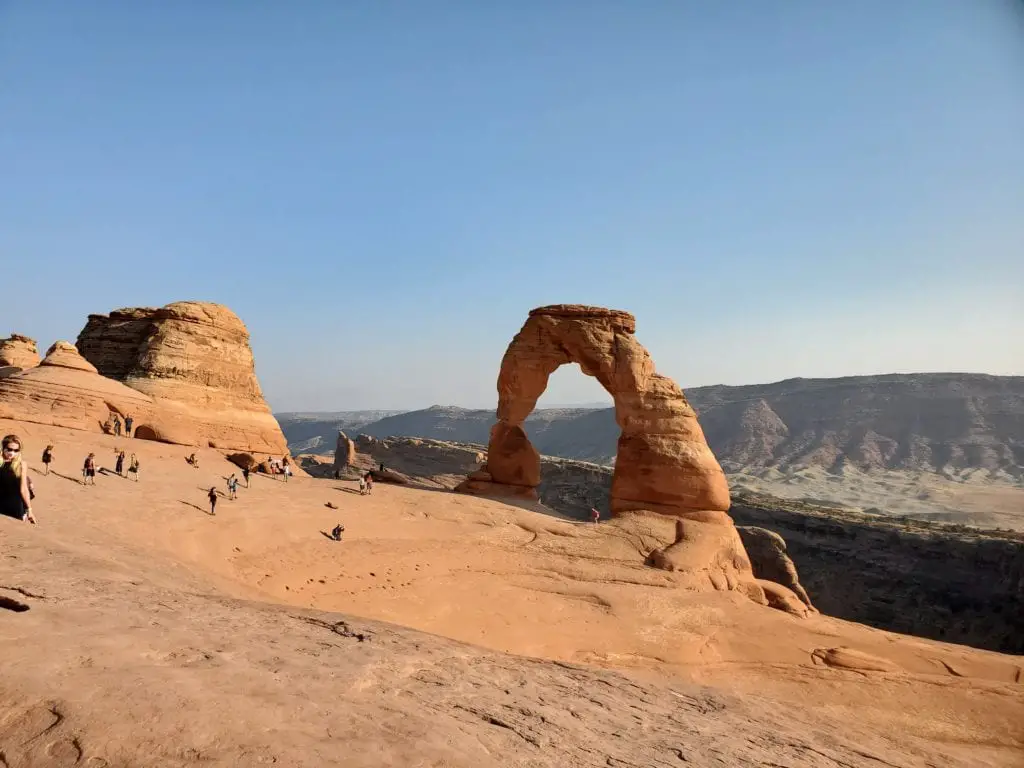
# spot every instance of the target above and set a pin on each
(18, 352)
(344, 452)
(65, 390)
(767, 553)
(663, 462)
(194, 359)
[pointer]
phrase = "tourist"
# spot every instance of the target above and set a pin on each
(287, 470)
(119, 463)
(369, 483)
(193, 460)
(128, 421)
(245, 474)
(382, 467)
(212, 496)
(15, 497)
(232, 487)
(89, 470)
(594, 515)
(47, 458)
(117, 425)
(362, 485)
(133, 468)
(337, 531)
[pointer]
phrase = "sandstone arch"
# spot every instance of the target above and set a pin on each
(663, 462)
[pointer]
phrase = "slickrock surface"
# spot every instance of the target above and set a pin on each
(157, 634)
(663, 463)
(194, 359)
(944, 582)
(65, 390)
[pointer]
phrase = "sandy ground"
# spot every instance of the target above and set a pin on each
(972, 497)
(519, 581)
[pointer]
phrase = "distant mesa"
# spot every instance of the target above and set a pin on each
(194, 359)
(663, 463)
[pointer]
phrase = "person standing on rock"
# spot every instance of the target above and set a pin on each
(117, 425)
(47, 458)
(133, 468)
(89, 470)
(128, 421)
(232, 487)
(119, 464)
(362, 485)
(15, 497)
(595, 516)
(245, 475)
(212, 496)
(369, 483)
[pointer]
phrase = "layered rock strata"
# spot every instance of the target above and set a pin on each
(194, 359)
(65, 390)
(18, 353)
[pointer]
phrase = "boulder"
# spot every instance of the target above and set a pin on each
(770, 561)
(65, 390)
(18, 351)
(194, 359)
(344, 452)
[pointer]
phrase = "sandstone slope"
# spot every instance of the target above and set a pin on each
(194, 359)
(136, 649)
(65, 390)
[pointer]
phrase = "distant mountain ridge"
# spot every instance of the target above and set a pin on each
(935, 422)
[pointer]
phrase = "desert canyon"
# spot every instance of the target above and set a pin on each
(465, 618)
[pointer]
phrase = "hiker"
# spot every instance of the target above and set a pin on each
(594, 515)
(119, 464)
(47, 458)
(128, 421)
(337, 531)
(382, 467)
(287, 470)
(15, 497)
(232, 487)
(133, 468)
(245, 474)
(212, 495)
(362, 485)
(117, 425)
(369, 483)
(89, 469)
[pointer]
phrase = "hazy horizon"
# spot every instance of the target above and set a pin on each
(383, 193)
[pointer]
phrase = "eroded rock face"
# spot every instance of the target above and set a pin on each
(663, 462)
(768, 557)
(18, 352)
(65, 390)
(344, 452)
(194, 358)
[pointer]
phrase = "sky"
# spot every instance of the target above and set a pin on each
(383, 190)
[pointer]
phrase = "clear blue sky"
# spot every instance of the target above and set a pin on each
(382, 190)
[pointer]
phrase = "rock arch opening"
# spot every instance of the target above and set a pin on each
(143, 432)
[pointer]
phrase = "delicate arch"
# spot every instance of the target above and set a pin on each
(663, 461)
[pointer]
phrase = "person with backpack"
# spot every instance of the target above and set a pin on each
(133, 468)
(232, 487)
